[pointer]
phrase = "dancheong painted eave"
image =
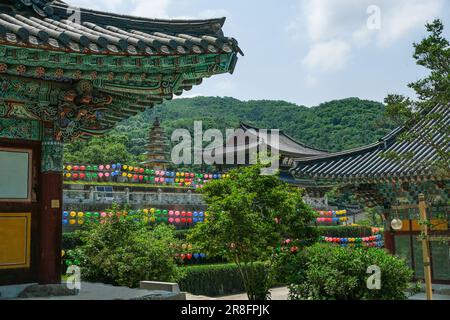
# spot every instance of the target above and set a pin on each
(101, 66)
(367, 163)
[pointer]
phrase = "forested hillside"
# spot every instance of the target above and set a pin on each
(334, 126)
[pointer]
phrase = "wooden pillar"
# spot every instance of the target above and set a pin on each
(425, 248)
(50, 229)
(389, 241)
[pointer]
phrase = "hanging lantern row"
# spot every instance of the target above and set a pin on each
(375, 238)
(332, 213)
(152, 215)
(332, 220)
(94, 171)
(190, 256)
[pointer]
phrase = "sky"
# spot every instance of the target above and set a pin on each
(307, 51)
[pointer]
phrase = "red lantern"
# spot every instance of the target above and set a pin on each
(183, 220)
(189, 256)
(82, 168)
(141, 170)
(189, 220)
(183, 214)
(82, 176)
(189, 214)
(141, 178)
(182, 256)
(294, 249)
(75, 175)
(76, 168)
(135, 177)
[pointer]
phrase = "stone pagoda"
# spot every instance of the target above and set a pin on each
(156, 148)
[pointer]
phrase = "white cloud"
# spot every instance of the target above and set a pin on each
(325, 20)
(333, 29)
(328, 56)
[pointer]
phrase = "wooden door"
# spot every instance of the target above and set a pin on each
(19, 211)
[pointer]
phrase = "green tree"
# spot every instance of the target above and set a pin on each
(250, 216)
(433, 53)
(126, 250)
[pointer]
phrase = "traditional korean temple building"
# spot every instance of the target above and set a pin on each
(248, 138)
(157, 153)
(392, 184)
(66, 74)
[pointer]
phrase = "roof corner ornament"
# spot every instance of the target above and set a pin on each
(41, 7)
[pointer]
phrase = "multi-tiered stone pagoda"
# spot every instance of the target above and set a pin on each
(156, 148)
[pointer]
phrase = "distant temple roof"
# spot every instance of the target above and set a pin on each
(367, 163)
(287, 146)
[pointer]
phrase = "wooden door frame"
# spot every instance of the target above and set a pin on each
(26, 275)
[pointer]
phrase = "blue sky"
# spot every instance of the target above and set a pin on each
(307, 51)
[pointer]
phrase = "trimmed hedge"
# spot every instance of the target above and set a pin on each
(215, 280)
(345, 231)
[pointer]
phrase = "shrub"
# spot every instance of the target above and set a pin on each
(124, 251)
(215, 280)
(70, 240)
(328, 272)
(345, 231)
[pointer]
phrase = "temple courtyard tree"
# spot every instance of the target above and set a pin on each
(433, 53)
(250, 217)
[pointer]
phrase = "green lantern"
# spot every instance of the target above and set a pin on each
(158, 212)
(89, 168)
(88, 214)
(165, 212)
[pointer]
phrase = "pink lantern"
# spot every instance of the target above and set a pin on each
(171, 220)
(177, 213)
(107, 174)
(100, 174)
(103, 214)
(101, 167)
(177, 220)
(157, 172)
(171, 213)
(108, 167)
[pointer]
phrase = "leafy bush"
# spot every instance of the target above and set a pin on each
(345, 231)
(125, 250)
(216, 280)
(71, 240)
(328, 272)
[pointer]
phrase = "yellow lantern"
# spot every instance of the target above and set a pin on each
(73, 214)
(152, 210)
(152, 219)
(72, 221)
(80, 214)
(68, 175)
(130, 168)
(125, 167)
(129, 175)
(124, 174)
(145, 211)
(69, 168)
(80, 221)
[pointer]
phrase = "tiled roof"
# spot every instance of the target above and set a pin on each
(57, 25)
(368, 163)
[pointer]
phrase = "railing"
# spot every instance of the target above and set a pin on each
(94, 197)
